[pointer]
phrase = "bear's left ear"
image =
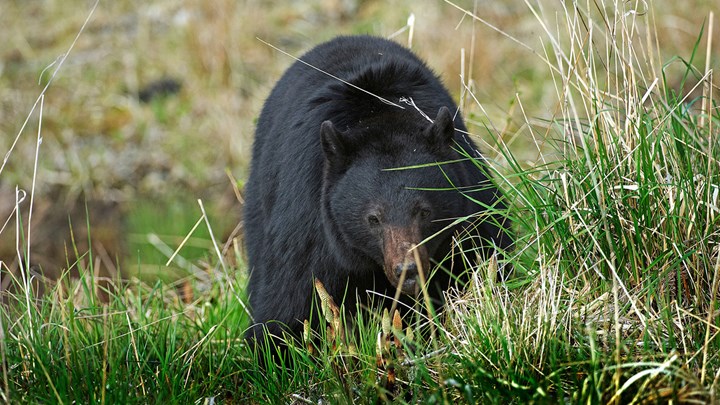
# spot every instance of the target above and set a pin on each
(442, 130)
(332, 142)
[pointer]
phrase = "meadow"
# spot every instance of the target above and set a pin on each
(126, 131)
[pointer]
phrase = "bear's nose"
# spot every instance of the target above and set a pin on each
(410, 268)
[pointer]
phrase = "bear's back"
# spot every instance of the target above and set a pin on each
(349, 77)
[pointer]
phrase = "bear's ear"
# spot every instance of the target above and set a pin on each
(332, 142)
(442, 130)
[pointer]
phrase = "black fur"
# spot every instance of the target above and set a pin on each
(318, 176)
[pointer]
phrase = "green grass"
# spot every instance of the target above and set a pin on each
(157, 228)
(614, 297)
(142, 344)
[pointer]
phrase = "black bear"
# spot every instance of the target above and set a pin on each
(360, 173)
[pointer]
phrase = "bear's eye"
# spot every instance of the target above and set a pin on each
(424, 213)
(373, 220)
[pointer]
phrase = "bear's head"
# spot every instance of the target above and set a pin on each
(389, 194)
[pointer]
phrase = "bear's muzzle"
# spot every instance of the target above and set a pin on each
(404, 259)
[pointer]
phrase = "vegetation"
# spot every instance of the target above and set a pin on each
(609, 153)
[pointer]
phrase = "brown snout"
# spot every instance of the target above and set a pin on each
(404, 259)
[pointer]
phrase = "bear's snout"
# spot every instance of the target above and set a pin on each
(404, 259)
(410, 281)
(410, 269)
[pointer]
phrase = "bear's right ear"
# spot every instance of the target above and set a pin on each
(332, 143)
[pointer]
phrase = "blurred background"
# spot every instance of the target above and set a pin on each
(156, 104)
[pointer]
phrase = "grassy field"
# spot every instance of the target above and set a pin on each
(601, 124)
